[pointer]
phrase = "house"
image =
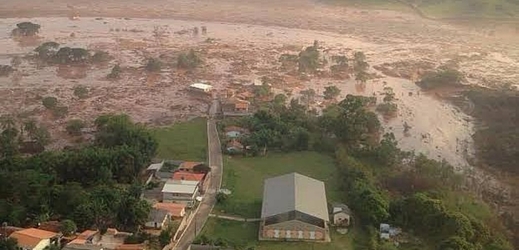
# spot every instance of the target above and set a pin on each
(51, 226)
(87, 240)
(201, 87)
(180, 191)
(341, 215)
(245, 95)
(234, 131)
(35, 239)
(235, 105)
(188, 166)
(234, 146)
(176, 210)
(188, 176)
(294, 208)
(157, 219)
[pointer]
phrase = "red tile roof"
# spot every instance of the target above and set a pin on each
(180, 175)
(30, 237)
(189, 164)
(175, 209)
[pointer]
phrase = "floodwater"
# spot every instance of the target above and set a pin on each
(438, 129)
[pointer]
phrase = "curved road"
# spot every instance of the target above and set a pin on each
(215, 161)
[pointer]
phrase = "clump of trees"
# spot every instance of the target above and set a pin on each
(189, 60)
(26, 29)
(74, 127)
(309, 59)
(360, 67)
(25, 136)
(51, 103)
(81, 91)
(388, 108)
(51, 52)
(6, 70)
(82, 184)
(331, 92)
(153, 65)
(443, 77)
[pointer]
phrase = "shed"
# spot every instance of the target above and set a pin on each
(341, 215)
(202, 87)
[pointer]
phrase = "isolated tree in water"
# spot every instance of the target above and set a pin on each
(26, 29)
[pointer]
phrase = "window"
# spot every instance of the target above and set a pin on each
(288, 234)
(300, 234)
(312, 235)
(276, 233)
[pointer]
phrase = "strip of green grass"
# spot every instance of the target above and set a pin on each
(245, 176)
(183, 141)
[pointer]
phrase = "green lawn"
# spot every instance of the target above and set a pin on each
(244, 177)
(246, 234)
(183, 141)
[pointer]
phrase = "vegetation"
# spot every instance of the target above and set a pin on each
(115, 73)
(6, 70)
(26, 29)
(331, 92)
(74, 127)
(183, 141)
(189, 60)
(309, 59)
(50, 102)
(51, 52)
(388, 108)
(81, 91)
(94, 186)
(153, 65)
(443, 77)
(67, 227)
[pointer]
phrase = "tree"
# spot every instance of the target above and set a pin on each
(340, 60)
(331, 92)
(221, 197)
(455, 243)
(115, 73)
(81, 91)
(280, 99)
(441, 78)
(68, 227)
(188, 60)
(47, 50)
(72, 55)
(26, 29)
(308, 59)
(50, 102)
(74, 127)
(8, 244)
(308, 96)
(361, 76)
(101, 56)
(153, 65)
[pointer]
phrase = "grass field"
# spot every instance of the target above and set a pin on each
(246, 234)
(244, 177)
(183, 141)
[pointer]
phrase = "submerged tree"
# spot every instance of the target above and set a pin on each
(26, 29)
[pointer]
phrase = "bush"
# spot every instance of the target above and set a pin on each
(115, 73)
(74, 127)
(189, 60)
(101, 56)
(153, 64)
(26, 29)
(444, 77)
(47, 50)
(72, 55)
(50, 102)
(68, 227)
(60, 111)
(81, 91)
(387, 109)
(221, 197)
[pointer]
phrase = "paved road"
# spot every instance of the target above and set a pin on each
(207, 204)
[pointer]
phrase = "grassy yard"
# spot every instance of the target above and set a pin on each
(246, 234)
(183, 141)
(244, 177)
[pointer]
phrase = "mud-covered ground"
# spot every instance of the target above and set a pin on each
(244, 42)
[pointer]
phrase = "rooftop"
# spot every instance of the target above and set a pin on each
(201, 86)
(157, 215)
(188, 176)
(30, 237)
(175, 209)
(294, 192)
(180, 186)
(130, 247)
(156, 166)
(189, 164)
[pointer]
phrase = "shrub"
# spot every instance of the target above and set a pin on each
(101, 56)
(81, 91)
(74, 127)
(115, 73)
(153, 64)
(47, 50)
(60, 111)
(189, 60)
(442, 78)
(387, 108)
(26, 29)
(50, 102)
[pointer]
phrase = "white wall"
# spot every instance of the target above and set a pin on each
(42, 244)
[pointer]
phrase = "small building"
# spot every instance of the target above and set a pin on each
(384, 231)
(87, 237)
(157, 219)
(176, 210)
(155, 167)
(180, 191)
(35, 239)
(235, 106)
(188, 176)
(294, 208)
(341, 215)
(201, 87)
(188, 166)
(234, 147)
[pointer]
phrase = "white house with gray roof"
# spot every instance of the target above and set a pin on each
(180, 191)
(294, 208)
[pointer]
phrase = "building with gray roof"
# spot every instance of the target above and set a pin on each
(294, 208)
